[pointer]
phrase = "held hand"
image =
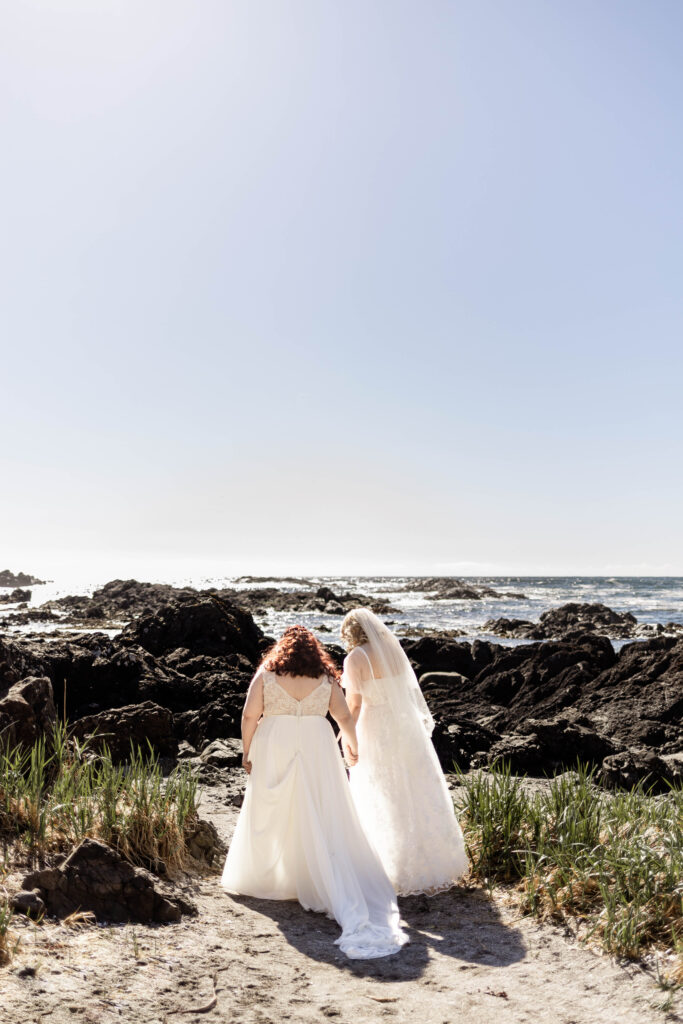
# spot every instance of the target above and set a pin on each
(350, 754)
(246, 764)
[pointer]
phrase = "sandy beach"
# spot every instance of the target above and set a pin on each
(471, 957)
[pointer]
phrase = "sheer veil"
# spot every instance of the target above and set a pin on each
(393, 674)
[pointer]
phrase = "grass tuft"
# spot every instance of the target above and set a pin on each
(57, 792)
(8, 943)
(611, 864)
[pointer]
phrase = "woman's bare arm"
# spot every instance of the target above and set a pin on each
(339, 710)
(355, 703)
(251, 714)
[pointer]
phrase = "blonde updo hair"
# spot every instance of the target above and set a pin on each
(352, 633)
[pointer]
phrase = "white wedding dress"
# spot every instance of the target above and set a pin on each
(398, 787)
(298, 834)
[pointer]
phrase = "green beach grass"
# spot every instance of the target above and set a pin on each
(611, 864)
(56, 792)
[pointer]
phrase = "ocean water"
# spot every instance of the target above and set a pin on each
(651, 599)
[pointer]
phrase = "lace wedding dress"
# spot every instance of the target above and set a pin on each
(398, 787)
(298, 834)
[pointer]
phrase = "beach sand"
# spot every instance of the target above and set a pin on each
(471, 958)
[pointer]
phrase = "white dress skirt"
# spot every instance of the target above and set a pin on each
(298, 836)
(401, 795)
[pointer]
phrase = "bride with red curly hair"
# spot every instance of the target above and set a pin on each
(298, 835)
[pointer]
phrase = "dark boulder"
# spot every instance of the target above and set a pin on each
(544, 746)
(95, 878)
(29, 903)
(93, 672)
(15, 596)
(208, 625)
(639, 698)
(182, 660)
(18, 579)
(578, 615)
(205, 845)
(431, 654)
(508, 627)
(27, 711)
(223, 753)
(322, 600)
(442, 690)
(218, 719)
(540, 680)
(142, 725)
(456, 743)
(523, 754)
(629, 768)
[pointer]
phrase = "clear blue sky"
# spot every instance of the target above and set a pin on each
(361, 286)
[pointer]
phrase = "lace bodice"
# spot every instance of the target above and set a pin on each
(276, 700)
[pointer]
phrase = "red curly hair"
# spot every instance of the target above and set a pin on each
(299, 653)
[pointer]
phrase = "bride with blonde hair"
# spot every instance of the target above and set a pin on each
(397, 784)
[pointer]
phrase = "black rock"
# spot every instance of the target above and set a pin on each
(18, 579)
(95, 878)
(142, 725)
(207, 625)
(630, 767)
(15, 596)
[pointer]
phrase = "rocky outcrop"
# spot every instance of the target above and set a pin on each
(205, 845)
(95, 878)
(177, 675)
(538, 680)
(544, 746)
(576, 618)
(119, 601)
(27, 711)
(585, 618)
(639, 698)
(91, 672)
(633, 767)
(18, 579)
(448, 588)
(322, 600)
(521, 628)
(141, 725)
(432, 654)
(462, 742)
(15, 596)
(30, 903)
(204, 626)
(185, 667)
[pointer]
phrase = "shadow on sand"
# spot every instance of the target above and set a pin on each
(462, 924)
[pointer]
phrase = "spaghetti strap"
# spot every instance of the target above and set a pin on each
(368, 661)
